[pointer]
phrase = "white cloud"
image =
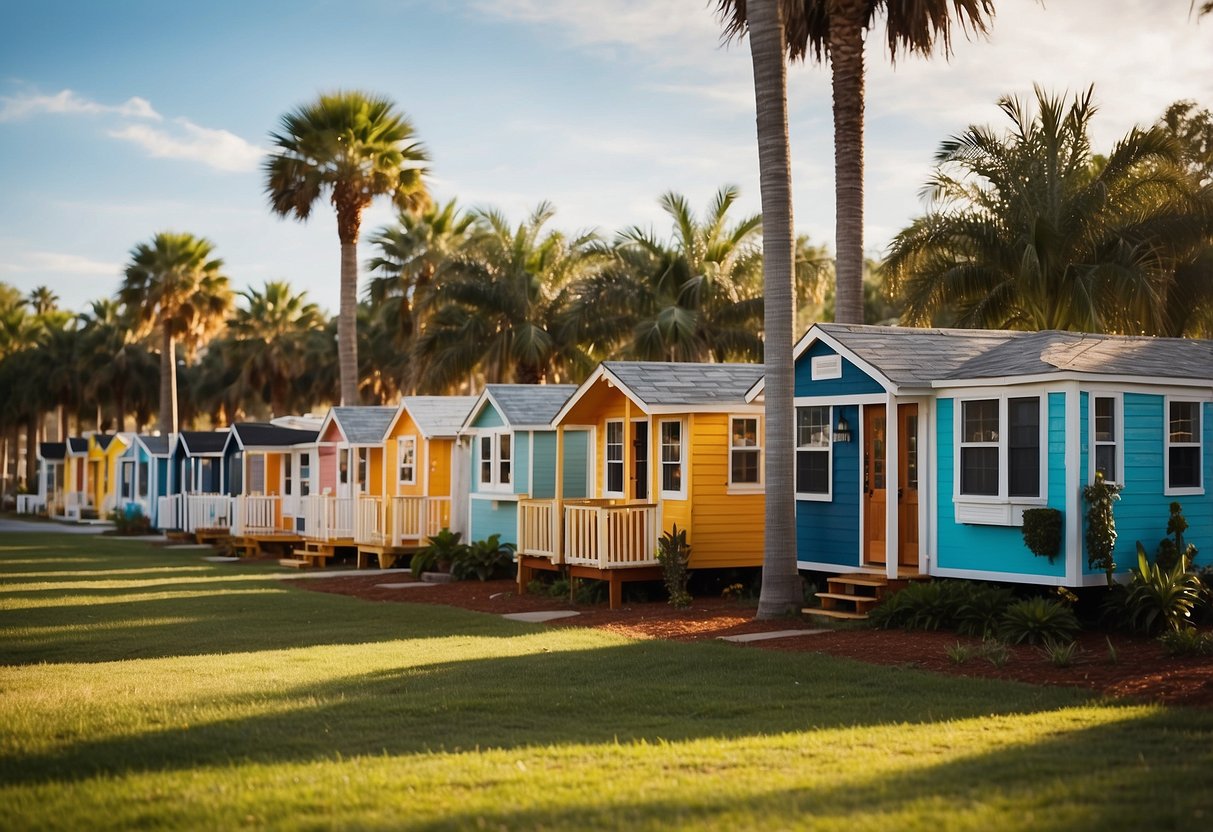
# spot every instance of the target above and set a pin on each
(66, 102)
(218, 149)
(54, 262)
(650, 25)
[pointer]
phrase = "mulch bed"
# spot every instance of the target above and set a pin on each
(1141, 669)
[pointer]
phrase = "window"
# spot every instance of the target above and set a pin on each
(486, 460)
(1106, 437)
(362, 454)
(984, 445)
(504, 458)
(813, 451)
(141, 478)
(288, 483)
(256, 473)
(614, 457)
(343, 465)
(1183, 446)
(127, 480)
(305, 475)
(745, 453)
(496, 460)
(406, 450)
(671, 458)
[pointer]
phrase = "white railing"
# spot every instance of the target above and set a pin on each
(256, 514)
(207, 511)
(169, 514)
(413, 519)
(326, 517)
(610, 537)
(537, 534)
(30, 503)
(74, 502)
(371, 527)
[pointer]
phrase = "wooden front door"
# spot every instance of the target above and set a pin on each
(640, 460)
(875, 487)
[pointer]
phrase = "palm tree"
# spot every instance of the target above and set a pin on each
(781, 590)
(1029, 229)
(498, 305)
(266, 338)
(354, 147)
(698, 298)
(173, 285)
(43, 300)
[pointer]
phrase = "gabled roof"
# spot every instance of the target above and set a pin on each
(523, 405)
(203, 442)
(77, 445)
(362, 425)
(437, 416)
(673, 386)
(52, 450)
(155, 445)
(103, 440)
(267, 435)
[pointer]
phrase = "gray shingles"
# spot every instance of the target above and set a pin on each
(156, 445)
(530, 404)
(664, 383)
(440, 416)
(52, 450)
(266, 435)
(198, 442)
(916, 357)
(364, 425)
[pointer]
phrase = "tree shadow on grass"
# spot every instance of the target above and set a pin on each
(650, 690)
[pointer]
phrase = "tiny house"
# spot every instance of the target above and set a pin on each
(265, 469)
(197, 501)
(52, 479)
(349, 462)
(143, 475)
(104, 449)
(918, 450)
(76, 490)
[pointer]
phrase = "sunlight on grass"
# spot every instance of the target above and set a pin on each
(64, 601)
(94, 573)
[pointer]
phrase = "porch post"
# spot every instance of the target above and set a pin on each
(629, 454)
(892, 477)
(558, 508)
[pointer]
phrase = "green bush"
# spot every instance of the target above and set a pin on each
(1101, 524)
(441, 551)
(1037, 620)
(1155, 598)
(1042, 532)
(674, 555)
(1187, 642)
(130, 521)
(980, 614)
(483, 559)
(930, 605)
(1060, 653)
(1172, 549)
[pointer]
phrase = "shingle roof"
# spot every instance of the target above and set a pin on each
(530, 404)
(917, 357)
(78, 444)
(156, 445)
(264, 434)
(678, 383)
(364, 425)
(52, 450)
(439, 415)
(204, 441)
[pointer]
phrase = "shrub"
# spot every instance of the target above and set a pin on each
(483, 559)
(1059, 653)
(1101, 524)
(1042, 532)
(1155, 598)
(438, 555)
(930, 605)
(1171, 551)
(980, 614)
(995, 652)
(960, 653)
(1187, 642)
(674, 554)
(1037, 620)
(130, 521)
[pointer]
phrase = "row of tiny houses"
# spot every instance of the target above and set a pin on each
(917, 453)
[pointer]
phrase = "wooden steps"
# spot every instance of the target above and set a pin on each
(852, 596)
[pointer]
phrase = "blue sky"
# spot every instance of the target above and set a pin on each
(124, 118)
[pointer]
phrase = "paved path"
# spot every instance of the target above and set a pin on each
(8, 524)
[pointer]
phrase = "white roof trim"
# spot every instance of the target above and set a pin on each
(331, 417)
(600, 372)
(815, 333)
(485, 398)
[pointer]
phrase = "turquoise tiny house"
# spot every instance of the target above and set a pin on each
(917, 451)
(513, 455)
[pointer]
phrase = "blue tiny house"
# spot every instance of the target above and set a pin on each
(513, 455)
(143, 475)
(918, 450)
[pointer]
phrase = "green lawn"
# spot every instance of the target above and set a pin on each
(143, 688)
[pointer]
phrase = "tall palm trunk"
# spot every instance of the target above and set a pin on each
(846, 65)
(31, 453)
(168, 382)
(781, 592)
(347, 324)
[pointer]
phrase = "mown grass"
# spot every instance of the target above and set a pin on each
(141, 688)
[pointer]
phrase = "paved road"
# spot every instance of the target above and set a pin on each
(9, 524)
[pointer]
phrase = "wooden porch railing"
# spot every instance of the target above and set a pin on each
(327, 517)
(371, 528)
(412, 519)
(610, 536)
(207, 511)
(537, 533)
(73, 503)
(169, 514)
(257, 514)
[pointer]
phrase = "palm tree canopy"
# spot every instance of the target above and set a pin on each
(353, 145)
(176, 282)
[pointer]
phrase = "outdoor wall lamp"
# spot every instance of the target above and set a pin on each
(842, 433)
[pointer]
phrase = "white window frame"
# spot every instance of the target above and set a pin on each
(361, 458)
(826, 496)
(246, 486)
(402, 442)
(1013, 514)
(126, 479)
(1182, 491)
(494, 483)
(681, 493)
(607, 462)
(304, 474)
(1118, 417)
(757, 448)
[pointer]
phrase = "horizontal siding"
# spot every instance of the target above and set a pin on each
(854, 381)
(576, 460)
(544, 467)
(521, 468)
(829, 532)
(494, 517)
(488, 417)
(726, 529)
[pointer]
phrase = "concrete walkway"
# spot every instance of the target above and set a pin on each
(541, 616)
(746, 638)
(9, 524)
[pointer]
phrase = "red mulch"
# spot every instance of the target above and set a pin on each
(1141, 670)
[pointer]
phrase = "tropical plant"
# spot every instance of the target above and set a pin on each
(1101, 497)
(267, 335)
(1038, 620)
(118, 369)
(1187, 641)
(927, 605)
(353, 147)
(960, 653)
(981, 609)
(130, 521)
(1029, 229)
(440, 551)
(498, 304)
(174, 286)
(1172, 550)
(1060, 653)
(674, 555)
(995, 652)
(1042, 531)
(1155, 598)
(483, 559)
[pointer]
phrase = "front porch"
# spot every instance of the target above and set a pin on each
(390, 527)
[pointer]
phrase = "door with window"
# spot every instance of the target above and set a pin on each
(876, 489)
(907, 485)
(640, 459)
(874, 485)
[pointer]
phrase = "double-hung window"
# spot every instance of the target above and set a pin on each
(256, 473)
(406, 451)
(1184, 450)
(745, 452)
(362, 454)
(614, 458)
(496, 461)
(673, 459)
(305, 474)
(141, 486)
(1000, 447)
(1105, 437)
(813, 451)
